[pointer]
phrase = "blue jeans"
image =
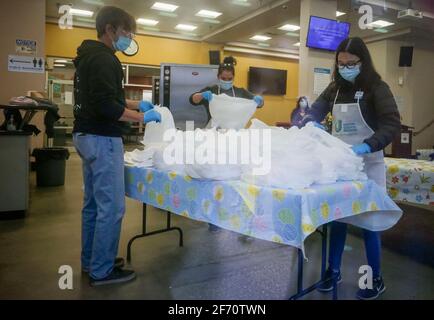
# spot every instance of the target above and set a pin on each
(104, 201)
(372, 246)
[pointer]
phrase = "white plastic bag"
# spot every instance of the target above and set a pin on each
(231, 113)
(154, 131)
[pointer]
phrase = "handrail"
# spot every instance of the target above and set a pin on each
(416, 133)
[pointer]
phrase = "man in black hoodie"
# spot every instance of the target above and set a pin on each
(100, 108)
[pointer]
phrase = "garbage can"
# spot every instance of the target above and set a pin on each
(50, 166)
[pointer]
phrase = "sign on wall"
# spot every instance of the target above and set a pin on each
(25, 46)
(28, 64)
(322, 77)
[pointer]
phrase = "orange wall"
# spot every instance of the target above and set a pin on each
(155, 50)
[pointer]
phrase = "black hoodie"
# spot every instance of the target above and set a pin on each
(99, 96)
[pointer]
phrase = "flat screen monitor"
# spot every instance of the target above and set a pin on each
(267, 81)
(326, 34)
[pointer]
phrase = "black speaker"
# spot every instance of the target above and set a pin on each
(406, 57)
(214, 58)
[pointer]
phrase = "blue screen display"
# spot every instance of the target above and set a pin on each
(326, 34)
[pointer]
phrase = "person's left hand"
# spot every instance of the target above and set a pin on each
(259, 100)
(145, 106)
(360, 149)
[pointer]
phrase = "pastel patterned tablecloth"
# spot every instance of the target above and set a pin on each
(282, 216)
(410, 180)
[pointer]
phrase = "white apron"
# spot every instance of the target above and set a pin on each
(210, 123)
(350, 126)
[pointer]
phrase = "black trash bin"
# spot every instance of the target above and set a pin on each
(50, 166)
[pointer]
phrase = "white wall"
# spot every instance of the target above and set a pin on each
(22, 19)
(415, 97)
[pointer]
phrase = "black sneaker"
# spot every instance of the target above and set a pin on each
(119, 264)
(378, 288)
(117, 276)
(327, 285)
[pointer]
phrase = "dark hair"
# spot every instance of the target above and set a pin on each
(228, 64)
(115, 17)
(297, 107)
(368, 75)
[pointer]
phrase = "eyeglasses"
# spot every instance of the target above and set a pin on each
(128, 34)
(349, 65)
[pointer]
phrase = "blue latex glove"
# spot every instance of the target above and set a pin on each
(259, 100)
(207, 95)
(152, 115)
(360, 149)
(318, 125)
(145, 106)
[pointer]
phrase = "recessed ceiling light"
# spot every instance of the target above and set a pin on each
(293, 34)
(380, 24)
(185, 27)
(164, 6)
(81, 13)
(211, 21)
(147, 22)
(208, 14)
(260, 38)
(339, 13)
(59, 65)
(243, 3)
(289, 27)
(95, 2)
(296, 44)
(380, 30)
(61, 61)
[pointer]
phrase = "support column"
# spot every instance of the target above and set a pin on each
(313, 58)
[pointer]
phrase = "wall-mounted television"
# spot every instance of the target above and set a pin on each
(326, 34)
(267, 81)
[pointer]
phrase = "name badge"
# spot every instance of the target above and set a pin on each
(359, 95)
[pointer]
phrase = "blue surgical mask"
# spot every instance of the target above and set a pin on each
(350, 74)
(226, 85)
(122, 44)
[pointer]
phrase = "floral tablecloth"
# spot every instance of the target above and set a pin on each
(280, 215)
(410, 180)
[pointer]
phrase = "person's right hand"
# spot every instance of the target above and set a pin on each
(152, 115)
(207, 95)
(145, 106)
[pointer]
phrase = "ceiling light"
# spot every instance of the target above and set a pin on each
(296, 44)
(147, 22)
(380, 24)
(95, 2)
(339, 13)
(164, 7)
(185, 27)
(243, 3)
(380, 30)
(289, 27)
(293, 34)
(61, 61)
(208, 14)
(260, 38)
(59, 65)
(81, 13)
(211, 21)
